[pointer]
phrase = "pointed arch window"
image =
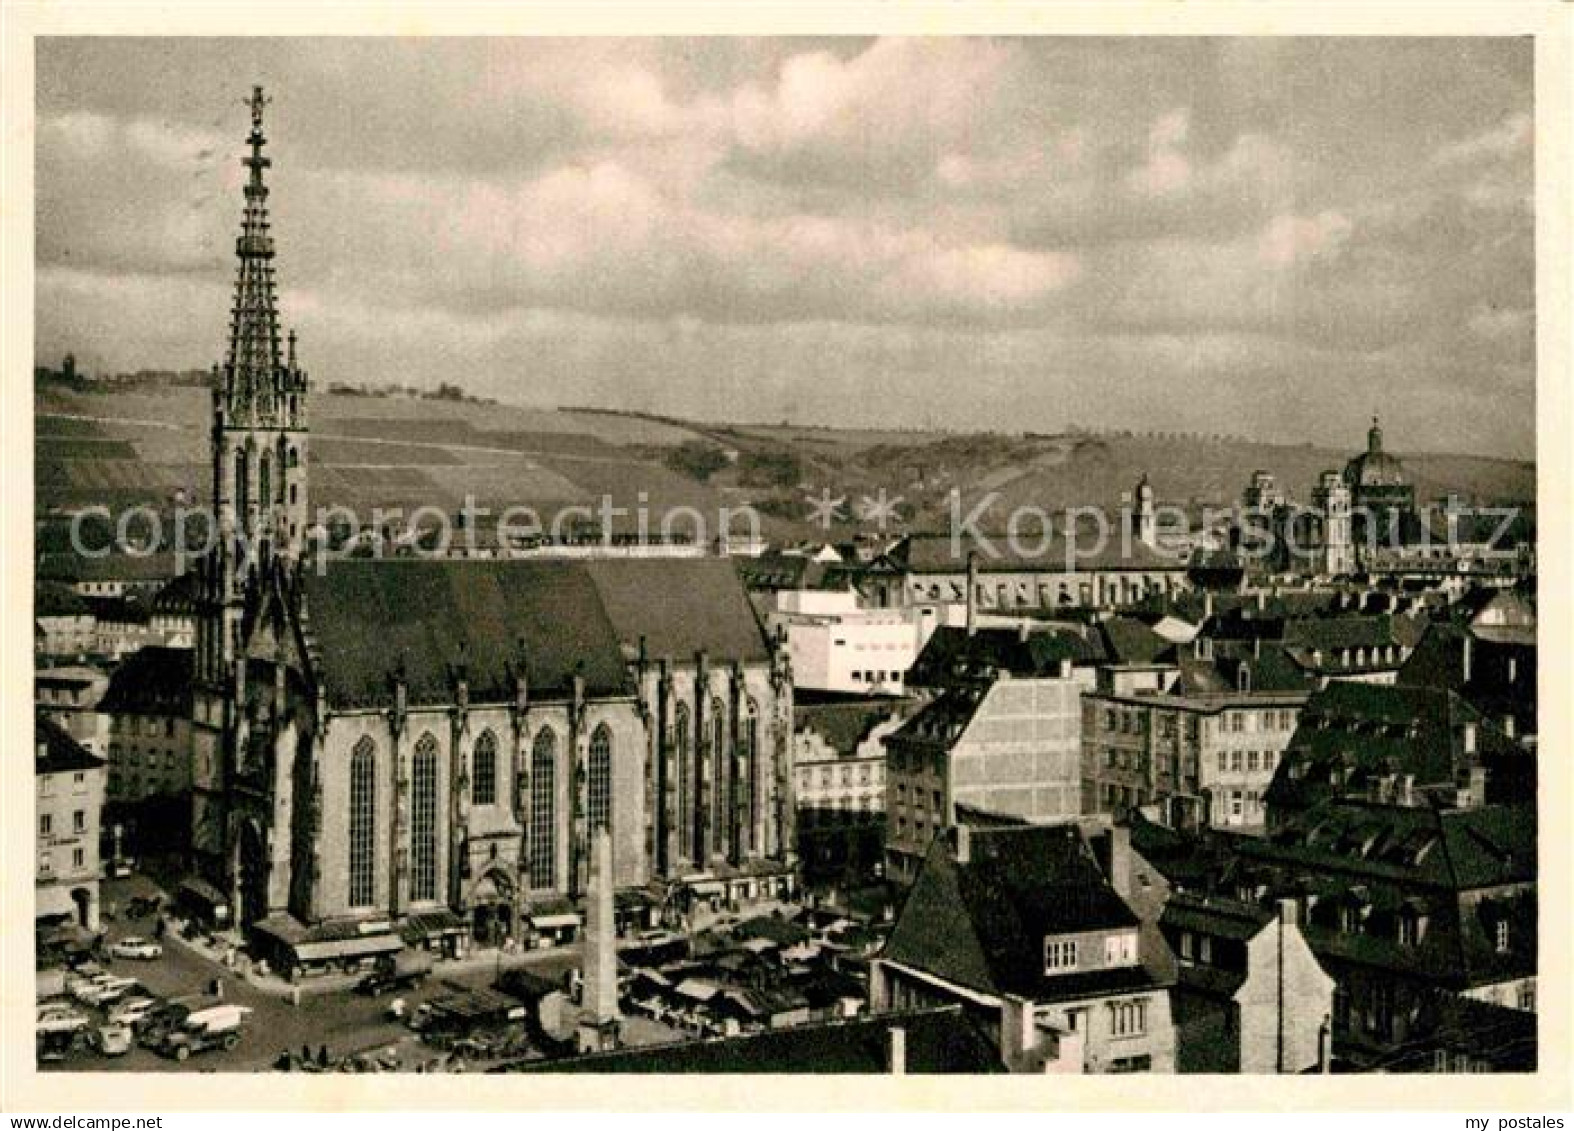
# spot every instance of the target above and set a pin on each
(423, 820)
(599, 785)
(680, 757)
(543, 809)
(483, 781)
(240, 481)
(748, 758)
(282, 459)
(264, 480)
(719, 778)
(363, 823)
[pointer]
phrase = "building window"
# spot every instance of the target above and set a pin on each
(423, 820)
(79, 821)
(1060, 954)
(680, 746)
(1129, 1064)
(599, 785)
(1128, 1018)
(543, 814)
(1500, 936)
(483, 788)
(1204, 948)
(1525, 997)
(46, 824)
(78, 858)
(363, 823)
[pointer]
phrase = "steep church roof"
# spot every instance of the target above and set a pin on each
(368, 618)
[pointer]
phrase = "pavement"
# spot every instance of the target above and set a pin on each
(330, 1014)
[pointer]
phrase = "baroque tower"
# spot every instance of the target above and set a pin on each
(1332, 500)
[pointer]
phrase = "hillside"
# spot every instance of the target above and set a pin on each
(128, 445)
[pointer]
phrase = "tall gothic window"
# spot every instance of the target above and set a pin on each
(483, 787)
(748, 759)
(265, 480)
(363, 824)
(599, 786)
(680, 757)
(543, 811)
(240, 481)
(423, 820)
(283, 462)
(717, 764)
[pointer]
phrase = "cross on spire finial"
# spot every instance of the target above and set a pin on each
(257, 101)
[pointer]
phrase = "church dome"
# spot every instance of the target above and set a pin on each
(1375, 467)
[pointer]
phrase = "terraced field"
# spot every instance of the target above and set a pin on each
(137, 446)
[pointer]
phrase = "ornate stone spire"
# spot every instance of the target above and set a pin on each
(255, 381)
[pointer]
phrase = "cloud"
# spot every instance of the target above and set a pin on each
(698, 224)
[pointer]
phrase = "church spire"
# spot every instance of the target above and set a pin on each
(255, 381)
(1374, 438)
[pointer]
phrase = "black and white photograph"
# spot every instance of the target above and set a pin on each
(891, 556)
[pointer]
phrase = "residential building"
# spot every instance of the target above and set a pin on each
(64, 623)
(1203, 747)
(69, 792)
(839, 769)
(1250, 996)
(1021, 924)
(1005, 745)
(1359, 739)
(69, 696)
(1485, 651)
(148, 705)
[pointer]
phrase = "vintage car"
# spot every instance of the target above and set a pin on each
(134, 946)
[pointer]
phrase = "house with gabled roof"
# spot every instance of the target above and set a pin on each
(1021, 925)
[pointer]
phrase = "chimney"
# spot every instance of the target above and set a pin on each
(1406, 790)
(1022, 631)
(1207, 605)
(972, 593)
(1508, 725)
(1262, 601)
(964, 843)
(896, 1050)
(1120, 860)
(1289, 912)
(1256, 647)
(1470, 738)
(1064, 669)
(1513, 669)
(1465, 659)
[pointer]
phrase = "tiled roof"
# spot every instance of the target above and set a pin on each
(844, 727)
(680, 606)
(937, 1041)
(153, 680)
(982, 923)
(57, 599)
(1127, 640)
(941, 553)
(56, 752)
(368, 619)
(1438, 662)
(1351, 733)
(951, 654)
(940, 721)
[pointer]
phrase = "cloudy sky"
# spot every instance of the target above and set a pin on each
(1272, 237)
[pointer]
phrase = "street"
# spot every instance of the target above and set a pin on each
(345, 1021)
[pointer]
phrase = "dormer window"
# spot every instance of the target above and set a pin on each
(1500, 935)
(1059, 955)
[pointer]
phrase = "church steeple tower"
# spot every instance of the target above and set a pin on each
(259, 410)
(1374, 437)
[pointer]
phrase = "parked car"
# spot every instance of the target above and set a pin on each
(133, 1011)
(112, 1039)
(85, 990)
(108, 991)
(218, 1027)
(396, 972)
(60, 1019)
(134, 946)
